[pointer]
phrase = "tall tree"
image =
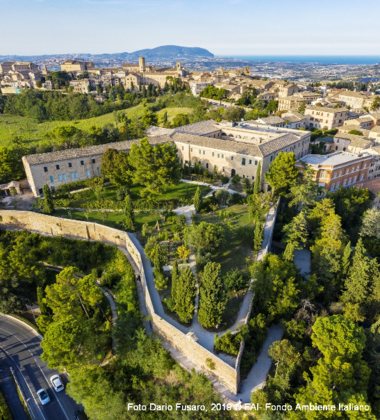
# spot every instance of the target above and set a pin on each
(362, 294)
(48, 200)
(212, 301)
(185, 295)
(198, 200)
(341, 376)
(306, 191)
(115, 167)
(175, 276)
(282, 172)
(295, 235)
(327, 254)
(258, 235)
(371, 224)
(257, 185)
(129, 212)
(154, 167)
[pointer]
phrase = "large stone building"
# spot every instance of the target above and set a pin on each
(320, 117)
(142, 74)
(77, 66)
(232, 149)
(356, 100)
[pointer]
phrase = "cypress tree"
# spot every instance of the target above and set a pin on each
(346, 258)
(258, 236)
(185, 296)
(198, 200)
(165, 118)
(175, 281)
(257, 185)
(48, 202)
(129, 221)
(212, 301)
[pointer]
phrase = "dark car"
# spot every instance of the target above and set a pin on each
(80, 415)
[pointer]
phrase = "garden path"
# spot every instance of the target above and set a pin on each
(302, 259)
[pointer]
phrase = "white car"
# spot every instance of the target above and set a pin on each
(43, 396)
(56, 382)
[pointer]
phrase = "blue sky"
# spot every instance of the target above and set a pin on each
(225, 27)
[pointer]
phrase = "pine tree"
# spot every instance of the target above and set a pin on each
(361, 284)
(198, 200)
(48, 200)
(185, 295)
(212, 296)
(174, 280)
(129, 221)
(257, 185)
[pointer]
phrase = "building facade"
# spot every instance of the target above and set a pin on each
(232, 149)
(340, 169)
(320, 117)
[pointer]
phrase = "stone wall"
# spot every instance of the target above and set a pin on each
(50, 225)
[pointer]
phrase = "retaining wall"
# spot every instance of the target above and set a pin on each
(55, 226)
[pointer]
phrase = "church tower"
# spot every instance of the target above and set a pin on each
(142, 64)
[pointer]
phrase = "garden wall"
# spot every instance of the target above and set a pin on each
(55, 226)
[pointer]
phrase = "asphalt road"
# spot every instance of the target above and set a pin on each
(20, 349)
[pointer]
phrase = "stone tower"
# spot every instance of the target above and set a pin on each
(142, 63)
(178, 65)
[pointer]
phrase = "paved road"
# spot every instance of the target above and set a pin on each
(20, 349)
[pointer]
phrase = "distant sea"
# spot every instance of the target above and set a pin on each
(320, 59)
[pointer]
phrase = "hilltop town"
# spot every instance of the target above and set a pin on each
(208, 238)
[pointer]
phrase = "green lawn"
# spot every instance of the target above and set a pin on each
(32, 132)
(180, 191)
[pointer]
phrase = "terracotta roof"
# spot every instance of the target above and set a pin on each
(274, 119)
(202, 127)
(218, 144)
(372, 184)
(324, 109)
(346, 136)
(274, 145)
(39, 158)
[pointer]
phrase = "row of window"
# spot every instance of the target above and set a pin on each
(345, 183)
(73, 175)
(243, 161)
(58, 167)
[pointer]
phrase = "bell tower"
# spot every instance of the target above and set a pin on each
(142, 64)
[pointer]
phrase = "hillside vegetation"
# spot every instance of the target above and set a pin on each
(32, 132)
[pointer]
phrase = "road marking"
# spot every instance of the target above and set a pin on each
(56, 396)
(23, 377)
(59, 402)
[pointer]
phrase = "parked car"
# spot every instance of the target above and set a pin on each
(80, 415)
(56, 382)
(43, 396)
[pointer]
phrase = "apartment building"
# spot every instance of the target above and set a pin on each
(356, 99)
(77, 66)
(320, 117)
(340, 169)
(290, 103)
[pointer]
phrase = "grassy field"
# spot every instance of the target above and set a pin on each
(180, 191)
(32, 132)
